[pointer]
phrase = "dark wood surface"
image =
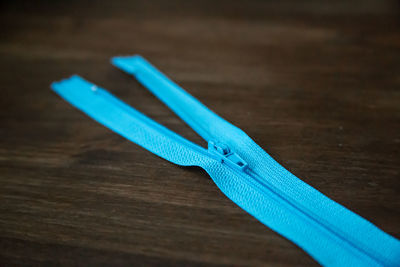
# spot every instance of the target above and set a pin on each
(314, 83)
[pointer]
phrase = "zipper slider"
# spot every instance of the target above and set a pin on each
(225, 155)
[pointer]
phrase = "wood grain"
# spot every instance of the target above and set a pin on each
(315, 83)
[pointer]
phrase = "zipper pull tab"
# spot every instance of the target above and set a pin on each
(226, 156)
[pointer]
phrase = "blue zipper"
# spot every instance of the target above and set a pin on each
(244, 172)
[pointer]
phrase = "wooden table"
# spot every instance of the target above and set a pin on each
(314, 83)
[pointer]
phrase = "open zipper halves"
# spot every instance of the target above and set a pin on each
(330, 233)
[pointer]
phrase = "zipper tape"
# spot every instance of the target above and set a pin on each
(201, 119)
(245, 173)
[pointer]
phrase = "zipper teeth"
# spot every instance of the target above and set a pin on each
(293, 203)
(166, 99)
(261, 184)
(256, 181)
